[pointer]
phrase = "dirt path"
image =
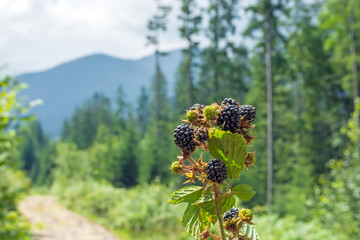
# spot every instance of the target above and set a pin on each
(52, 221)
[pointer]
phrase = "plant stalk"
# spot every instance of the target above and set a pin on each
(218, 211)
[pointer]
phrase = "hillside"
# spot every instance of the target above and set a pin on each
(65, 86)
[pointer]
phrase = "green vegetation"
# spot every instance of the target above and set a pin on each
(112, 160)
(13, 182)
(141, 211)
(224, 131)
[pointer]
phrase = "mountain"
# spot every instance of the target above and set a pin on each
(66, 86)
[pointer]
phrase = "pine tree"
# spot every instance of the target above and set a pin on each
(263, 19)
(156, 25)
(86, 120)
(143, 111)
(340, 20)
(158, 136)
(215, 59)
(190, 28)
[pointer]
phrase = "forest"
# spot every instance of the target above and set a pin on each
(296, 61)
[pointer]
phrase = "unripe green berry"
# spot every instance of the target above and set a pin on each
(212, 131)
(191, 116)
(210, 112)
(246, 214)
(175, 167)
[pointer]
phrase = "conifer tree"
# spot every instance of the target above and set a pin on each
(264, 19)
(340, 20)
(215, 58)
(190, 28)
(158, 135)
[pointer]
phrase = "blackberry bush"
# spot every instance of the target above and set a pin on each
(224, 131)
(216, 171)
(230, 116)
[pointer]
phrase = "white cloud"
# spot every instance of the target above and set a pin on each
(40, 34)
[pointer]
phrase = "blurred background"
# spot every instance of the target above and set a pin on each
(91, 92)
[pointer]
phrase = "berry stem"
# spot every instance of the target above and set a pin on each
(230, 185)
(195, 163)
(218, 211)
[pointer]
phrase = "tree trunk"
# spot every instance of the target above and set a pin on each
(190, 80)
(216, 40)
(270, 111)
(298, 105)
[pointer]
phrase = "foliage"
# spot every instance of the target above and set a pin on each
(271, 227)
(314, 66)
(207, 203)
(191, 19)
(13, 183)
(337, 201)
(86, 119)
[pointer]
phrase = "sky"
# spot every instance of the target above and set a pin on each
(39, 34)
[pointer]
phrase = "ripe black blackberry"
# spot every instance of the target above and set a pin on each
(232, 213)
(229, 101)
(216, 171)
(200, 107)
(247, 112)
(230, 115)
(184, 138)
(201, 134)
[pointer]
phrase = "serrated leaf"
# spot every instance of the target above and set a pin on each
(195, 220)
(227, 203)
(229, 148)
(187, 194)
(207, 203)
(244, 192)
(190, 220)
(250, 232)
(206, 218)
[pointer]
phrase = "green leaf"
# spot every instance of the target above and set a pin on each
(227, 203)
(244, 192)
(187, 194)
(195, 220)
(250, 232)
(229, 148)
(190, 220)
(207, 203)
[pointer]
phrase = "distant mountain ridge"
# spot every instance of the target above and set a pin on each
(68, 85)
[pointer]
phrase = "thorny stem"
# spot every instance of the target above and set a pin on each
(218, 211)
(193, 161)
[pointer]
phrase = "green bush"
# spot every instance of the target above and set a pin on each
(13, 226)
(271, 227)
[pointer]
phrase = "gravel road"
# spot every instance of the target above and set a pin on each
(52, 221)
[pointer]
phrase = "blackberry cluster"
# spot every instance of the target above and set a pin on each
(200, 107)
(230, 114)
(184, 138)
(229, 101)
(216, 171)
(201, 134)
(232, 213)
(248, 112)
